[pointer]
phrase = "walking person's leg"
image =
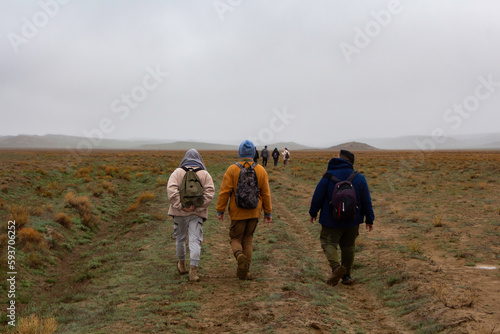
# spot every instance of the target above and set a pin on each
(347, 245)
(330, 238)
(195, 239)
(180, 233)
(246, 243)
(237, 233)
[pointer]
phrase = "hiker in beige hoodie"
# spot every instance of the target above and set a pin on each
(189, 220)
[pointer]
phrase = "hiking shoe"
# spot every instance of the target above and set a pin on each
(337, 274)
(181, 267)
(347, 280)
(193, 274)
(243, 265)
(249, 277)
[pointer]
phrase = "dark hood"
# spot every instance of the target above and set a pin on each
(337, 163)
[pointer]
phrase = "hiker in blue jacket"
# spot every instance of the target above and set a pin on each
(336, 233)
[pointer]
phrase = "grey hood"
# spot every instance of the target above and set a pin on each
(193, 159)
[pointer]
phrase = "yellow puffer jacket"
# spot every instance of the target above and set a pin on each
(228, 188)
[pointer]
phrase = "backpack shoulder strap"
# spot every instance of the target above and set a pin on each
(245, 163)
(253, 165)
(352, 175)
(331, 177)
(193, 169)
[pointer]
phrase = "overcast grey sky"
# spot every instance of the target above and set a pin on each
(313, 72)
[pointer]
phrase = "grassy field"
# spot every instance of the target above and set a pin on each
(95, 253)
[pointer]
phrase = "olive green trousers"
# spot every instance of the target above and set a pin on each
(338, 245)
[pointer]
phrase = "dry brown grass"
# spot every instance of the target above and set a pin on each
(415, 247)
(84, 208)
(141, 199)
(111, 170)
(29, 236)
(145, 197)
(36, 211)
(161, 181)
(455, 297)
(437, 221)
(63, 219)
(83, 172)
(33, 324)
(109, 187)
(81, 204)
(20, 214)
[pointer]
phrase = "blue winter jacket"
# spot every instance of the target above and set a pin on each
(323, 196)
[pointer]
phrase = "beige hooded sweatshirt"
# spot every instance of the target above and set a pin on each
(191, 159)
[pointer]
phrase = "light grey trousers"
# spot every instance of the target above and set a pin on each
(192, 225)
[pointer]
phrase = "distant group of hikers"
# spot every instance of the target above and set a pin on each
(275, 155)
(341, 197)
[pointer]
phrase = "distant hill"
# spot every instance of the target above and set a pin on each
(63, 142)
(289, 145)
(186, 145)
(464, 142)
(459, 142)
(352, 146)
(73, 142)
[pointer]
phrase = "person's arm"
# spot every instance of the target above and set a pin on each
(225, 191)
(366, 203)
(208, 188)
(318, 198)
(173, 191)
(265, 193)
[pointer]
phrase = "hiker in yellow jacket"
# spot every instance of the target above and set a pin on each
(244, 221)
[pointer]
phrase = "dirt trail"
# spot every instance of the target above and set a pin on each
(363, 302)
(231, 306)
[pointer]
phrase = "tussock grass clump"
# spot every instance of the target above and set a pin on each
(437, 221)
(455, 297)
(83, 172)
(161, 181)
(63, 219)
(109, 187)
(20, 214)
(141, 199)
(29, 236)
(84, 208)
(111, 170)
(33, 324)
(415, 247)
(81, 204)
(145, 197)
(36, 211)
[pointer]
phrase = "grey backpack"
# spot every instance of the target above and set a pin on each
(247, 189)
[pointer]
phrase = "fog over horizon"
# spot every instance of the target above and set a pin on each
(316, 73)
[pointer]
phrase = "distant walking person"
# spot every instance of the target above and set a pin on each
(256, 156)
(340, 217)
(264, 154)
(286, 156)
(276, 156)
(189, 210)
(246, 186)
